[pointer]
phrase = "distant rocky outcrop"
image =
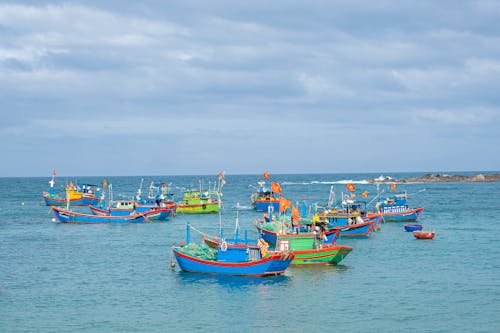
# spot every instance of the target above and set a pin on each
(436, 178)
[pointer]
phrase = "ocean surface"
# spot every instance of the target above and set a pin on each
(117, 278)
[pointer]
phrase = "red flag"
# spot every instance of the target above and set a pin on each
(265, 175)
(350, 187)
(275, 187)
(393, 186)
(284, 203)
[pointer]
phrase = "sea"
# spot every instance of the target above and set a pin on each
(118, 277)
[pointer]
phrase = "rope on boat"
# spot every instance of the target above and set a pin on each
(200, 232)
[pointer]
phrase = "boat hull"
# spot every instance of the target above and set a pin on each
(412, 227)
(263, 205)
(407, 215)
(272, 265)
(152, 212)
(424, 234)
(198, 209)
(84, 201)
(357, 230)
(65, 216)
(159, 214)
(327, 255)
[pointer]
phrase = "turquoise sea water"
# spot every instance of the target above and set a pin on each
(116, 278)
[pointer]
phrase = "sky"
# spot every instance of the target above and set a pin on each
(94, 88)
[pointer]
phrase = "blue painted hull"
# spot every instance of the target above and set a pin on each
(159, 214)
(362, 229)
(65, 216)
(152, 214)
(413, 227)
(408, 215)
(357, 230)
(272, 265)
(86, 201)
(263, 206)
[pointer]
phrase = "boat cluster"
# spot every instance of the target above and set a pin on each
(289, 234)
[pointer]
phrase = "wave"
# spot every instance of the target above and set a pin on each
(383, 178)
(340, 182)
(242, 207)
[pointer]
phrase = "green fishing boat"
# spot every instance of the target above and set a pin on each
(310, 249)
(201, 201)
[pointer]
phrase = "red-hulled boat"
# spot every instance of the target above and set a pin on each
(420, 234)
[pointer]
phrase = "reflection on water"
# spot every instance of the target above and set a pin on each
(186, 279)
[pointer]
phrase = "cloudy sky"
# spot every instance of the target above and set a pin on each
(193, 87)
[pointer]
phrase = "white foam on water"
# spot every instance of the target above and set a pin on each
(316, 182)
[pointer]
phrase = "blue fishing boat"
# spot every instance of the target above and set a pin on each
(158, 195)
(159, 210)
(230, 259)
(308, 248)
(266, 197)
(349, 222)
(395, 209)
(76, 194)
(127, 208)
(67, 216)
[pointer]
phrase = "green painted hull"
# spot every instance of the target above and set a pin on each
(309, 250)
(198, 209)
(331, 255)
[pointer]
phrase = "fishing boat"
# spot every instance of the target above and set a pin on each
(230, 259)
(127, 208)
(308, 248)
(160, 210)
(265, 197)
(311, 249)
(351, 223)
(76, 194)
(420, 234)
(311, 241)
(67, 216)
(159, 196)
(412, 227)
(348, 222)
(270, 231)
(200, 201)
(395, 209)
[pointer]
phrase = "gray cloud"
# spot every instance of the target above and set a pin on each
(311, 77)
